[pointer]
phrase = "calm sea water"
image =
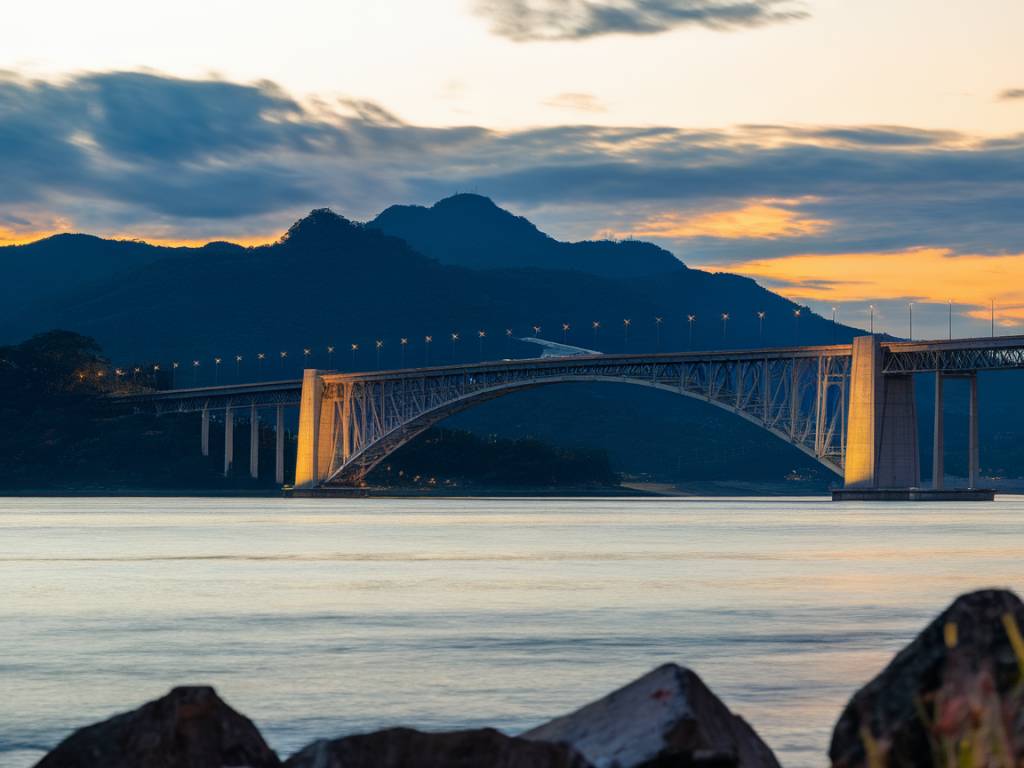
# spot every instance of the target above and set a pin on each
(323, 617)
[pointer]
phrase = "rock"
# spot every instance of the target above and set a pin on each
(407, 748)
(188, 728)
(952, 697)
(667, 717)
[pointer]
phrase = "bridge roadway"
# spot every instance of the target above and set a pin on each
(849, 406)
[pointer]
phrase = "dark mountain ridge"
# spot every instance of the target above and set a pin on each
(471, 231)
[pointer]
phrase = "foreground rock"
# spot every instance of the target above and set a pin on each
(406, 748)
(187, 728)
(952, 697)
(667, 717)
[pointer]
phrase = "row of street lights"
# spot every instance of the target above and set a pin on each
(454, 337)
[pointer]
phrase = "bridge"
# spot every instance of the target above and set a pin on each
(850, 407)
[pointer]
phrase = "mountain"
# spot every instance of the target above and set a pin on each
(471, 231)
(332, 281)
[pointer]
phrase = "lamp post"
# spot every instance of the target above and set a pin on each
(283, 356)
(403, 342)
(871, 309)
(238, 367)
(355, 348)
(910, 319)
(330, 356)
(306, 352)
(626, 322)
(536, 331)
(796, 326)
(260, 357)
(565, 332)
(216, 370)
(380, 345)
(834, 310)
(657, 333)
(760, 327)
(174, 371)
(690, 319)
(426, 349)
(951, 319)
(508, 342)
(596, 325)
(195, 372)
(480, 336)
(725, 324)
(455, 339)
(992, 316)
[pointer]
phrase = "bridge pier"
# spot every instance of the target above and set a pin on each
(279, 447)
(973, 459)
(307, 459)
(254, 442)
(882, 446)
(204, 433)
(939, 437)
(229, 440)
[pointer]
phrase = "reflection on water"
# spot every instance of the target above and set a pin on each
(325, 617)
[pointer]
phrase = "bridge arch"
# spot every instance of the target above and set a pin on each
(361, 422)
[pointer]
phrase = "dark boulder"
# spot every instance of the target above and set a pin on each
(954, 696)
(667, 717)
(188, 728)
(407, 748)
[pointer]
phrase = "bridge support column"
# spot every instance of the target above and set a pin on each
(204, 433)
(939, 438)
(229, 440)
(279, 447)
(254, 442)
(973, 459)
(881, 441)
(316, 432)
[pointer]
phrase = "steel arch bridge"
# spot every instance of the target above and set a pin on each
(848, 406)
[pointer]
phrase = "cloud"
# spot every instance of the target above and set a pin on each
(759, 219)
(580, 102)
(1012, 94)
(927, 275)
(183, 160)
(533, 20)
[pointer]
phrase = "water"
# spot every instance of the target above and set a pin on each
(322, 617)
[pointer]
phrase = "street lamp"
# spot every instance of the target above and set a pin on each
(657, 333)
(380, 345)
(834, 311)
(284, 356)
(195, 372)
(404, 343)
(760, 326)
(480, 336)
(216, 370)
(690, 320)
(725, 323)
(238, 367)
(508, 342)
(626, 322)
(260, 357)
(330, 356)
(950, 319)
(426, 349)
(565, 332)
(306, 352)
(596, 325)
(910, 310)
(174, 368)
(796, 326)
(455, 338)
(871, 309)
(355, 348)
(536, 331)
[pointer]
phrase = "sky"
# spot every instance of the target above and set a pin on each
(845, 153)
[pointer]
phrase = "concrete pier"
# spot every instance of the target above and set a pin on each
(254, 443)
(974, 462)
(229, 440)
(881, 439)
(279, 447)
(204, 435)
(938, 438)
(307, 461)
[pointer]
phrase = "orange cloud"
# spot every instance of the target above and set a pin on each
(761, 219)
(919, 274)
